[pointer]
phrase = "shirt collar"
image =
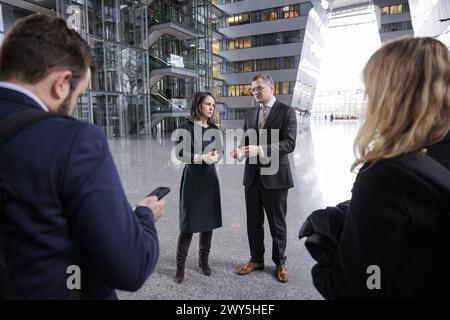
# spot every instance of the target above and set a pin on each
(28, 93)
(270, 103)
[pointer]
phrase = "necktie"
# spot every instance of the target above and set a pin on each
(263, 118)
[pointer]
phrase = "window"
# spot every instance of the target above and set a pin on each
(238, 19)
(269, 14)
(287, 63)
(247, 42)
(216, 71)
(292, 36)
(290, 11)
(216, 46)
(395, 9)
(269, 39)
(231, 91)
(247, 66)
(285, 87)
(230, 44)
(396, 26)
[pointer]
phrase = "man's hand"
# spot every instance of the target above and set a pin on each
(251, 151)
(235, 153)
(153, 204)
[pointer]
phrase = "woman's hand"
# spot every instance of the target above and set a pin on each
(211, 157)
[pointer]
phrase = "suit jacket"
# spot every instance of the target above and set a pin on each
(283, 118)
(71, 210)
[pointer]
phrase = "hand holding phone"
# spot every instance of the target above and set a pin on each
(156, 205)
(159, 192)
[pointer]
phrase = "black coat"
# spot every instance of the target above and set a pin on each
(399, 222)
(200, 208)
(282, 118)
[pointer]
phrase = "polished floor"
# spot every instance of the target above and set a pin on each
(321, 168)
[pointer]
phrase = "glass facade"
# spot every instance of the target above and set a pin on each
(285, 12)
(122, 98)
(238, 90)
(395, 9)
(268, 39)
(118, 100)
(195, 52)
(397, 26)
(260, 65)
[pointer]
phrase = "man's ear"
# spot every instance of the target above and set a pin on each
(61, 84)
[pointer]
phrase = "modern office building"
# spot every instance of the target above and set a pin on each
(283, 38)
(152, 55)
(394, 19)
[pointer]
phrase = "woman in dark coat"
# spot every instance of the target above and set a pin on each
(199, 147)
(395, 240)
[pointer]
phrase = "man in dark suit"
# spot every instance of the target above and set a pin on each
(267, 192)
(70, 210)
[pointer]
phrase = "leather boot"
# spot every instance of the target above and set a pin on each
(205, 246)
(184, 240)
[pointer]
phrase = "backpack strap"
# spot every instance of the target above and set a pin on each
(14, 123)
(426, 167)
(9, 126)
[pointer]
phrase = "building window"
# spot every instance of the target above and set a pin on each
(292, 36)
(261, 65)
(396, 26)
(269, 39)
(215, 46)
(247, 66)
(238, 19)
(290, 11)
(216, 71)
(268, 15)
(395, 9)
(239, 90)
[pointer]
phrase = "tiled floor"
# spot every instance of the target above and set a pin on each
(320, 165)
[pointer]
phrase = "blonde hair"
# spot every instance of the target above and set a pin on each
(408, 91)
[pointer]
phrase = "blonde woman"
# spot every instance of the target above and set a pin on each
(395, 241)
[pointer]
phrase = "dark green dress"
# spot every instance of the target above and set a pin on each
(200, 208)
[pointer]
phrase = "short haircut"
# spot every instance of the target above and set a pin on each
(265, 76)
(40, 44)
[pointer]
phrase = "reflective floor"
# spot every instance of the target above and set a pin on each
(321, 168)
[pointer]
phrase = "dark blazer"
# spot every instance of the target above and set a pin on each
(70, 196)
(283, 118)
(399, 222)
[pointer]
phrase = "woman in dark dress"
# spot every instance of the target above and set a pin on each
(200, 209)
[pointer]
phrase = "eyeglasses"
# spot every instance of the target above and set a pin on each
(257, 89)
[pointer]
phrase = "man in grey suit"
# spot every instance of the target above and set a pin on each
(267, 192)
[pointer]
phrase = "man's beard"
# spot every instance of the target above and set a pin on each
(64, 107)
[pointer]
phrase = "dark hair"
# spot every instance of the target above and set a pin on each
(40, 44)
(266, 77)
(196, 102)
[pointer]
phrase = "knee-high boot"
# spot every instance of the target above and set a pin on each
(205, 246)
(184, 240)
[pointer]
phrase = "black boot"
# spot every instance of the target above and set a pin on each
(184, 240)
(205, 245)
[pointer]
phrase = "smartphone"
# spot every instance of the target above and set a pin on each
(159, 192)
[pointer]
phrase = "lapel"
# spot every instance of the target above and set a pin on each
(273, 114)
(253, 118)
